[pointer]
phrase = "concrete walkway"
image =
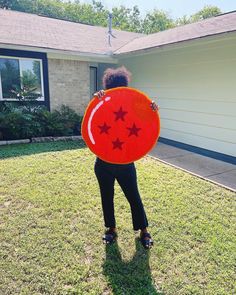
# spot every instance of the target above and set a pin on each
(216, 171)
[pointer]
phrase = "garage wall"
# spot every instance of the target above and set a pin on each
(195, 87)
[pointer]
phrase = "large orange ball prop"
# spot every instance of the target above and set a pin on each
(121, 127)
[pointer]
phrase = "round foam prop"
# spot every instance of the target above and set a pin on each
(121, 127)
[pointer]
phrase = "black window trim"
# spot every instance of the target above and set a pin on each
(34, 55)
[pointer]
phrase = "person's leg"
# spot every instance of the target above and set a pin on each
(106, 184)
(127, 180)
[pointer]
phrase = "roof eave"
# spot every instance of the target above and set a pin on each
(52, 53)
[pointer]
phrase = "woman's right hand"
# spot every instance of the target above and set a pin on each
(99, 94)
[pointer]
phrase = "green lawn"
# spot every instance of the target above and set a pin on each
(51, 225)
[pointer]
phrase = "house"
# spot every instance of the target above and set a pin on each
(189, 71)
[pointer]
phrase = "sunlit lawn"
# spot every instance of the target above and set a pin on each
(51, 225)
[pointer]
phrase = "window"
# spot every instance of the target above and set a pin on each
(18, 73)
(93, 81)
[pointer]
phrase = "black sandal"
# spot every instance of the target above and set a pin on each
(109, 237)
(147, 243)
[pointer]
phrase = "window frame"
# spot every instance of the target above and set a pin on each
(29, 55)
(41, 98)
(96, 79)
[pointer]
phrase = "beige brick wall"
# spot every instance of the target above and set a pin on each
(69, 84)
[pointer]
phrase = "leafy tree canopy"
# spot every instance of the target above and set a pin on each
(156, 21)
(206, 12)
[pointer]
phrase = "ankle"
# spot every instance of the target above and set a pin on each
(112, 229)
(144, 230)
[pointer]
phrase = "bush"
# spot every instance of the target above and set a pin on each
(70, 119)
(14, 124)
(21, 122)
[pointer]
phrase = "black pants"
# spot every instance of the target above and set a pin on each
(126, 176)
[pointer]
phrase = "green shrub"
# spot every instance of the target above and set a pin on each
(22, 122)
(14, 124)
(27, 119)
(70, 119)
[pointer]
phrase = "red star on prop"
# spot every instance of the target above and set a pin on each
(120, 114)
(133, 130)
(104, 128)
(117, 144)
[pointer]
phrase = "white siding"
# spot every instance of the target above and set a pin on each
(195, 87)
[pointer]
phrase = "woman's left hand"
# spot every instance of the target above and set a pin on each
(154, 106)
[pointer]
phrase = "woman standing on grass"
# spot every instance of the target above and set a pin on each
(125, 174)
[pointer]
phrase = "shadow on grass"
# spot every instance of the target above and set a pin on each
(129, 277)
(17, 150)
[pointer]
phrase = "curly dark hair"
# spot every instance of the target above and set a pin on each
(116, 77)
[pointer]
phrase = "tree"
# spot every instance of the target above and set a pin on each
(121, 17)
(127, 19)
(135, 20)
(156, 21)
(206, 12)
(100, 13)
(8, 4)
(184, 20)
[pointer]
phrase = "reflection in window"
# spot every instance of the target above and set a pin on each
(30, 73)
(20, 75)
(10, 76)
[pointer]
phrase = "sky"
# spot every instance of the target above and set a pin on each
(176, 8)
